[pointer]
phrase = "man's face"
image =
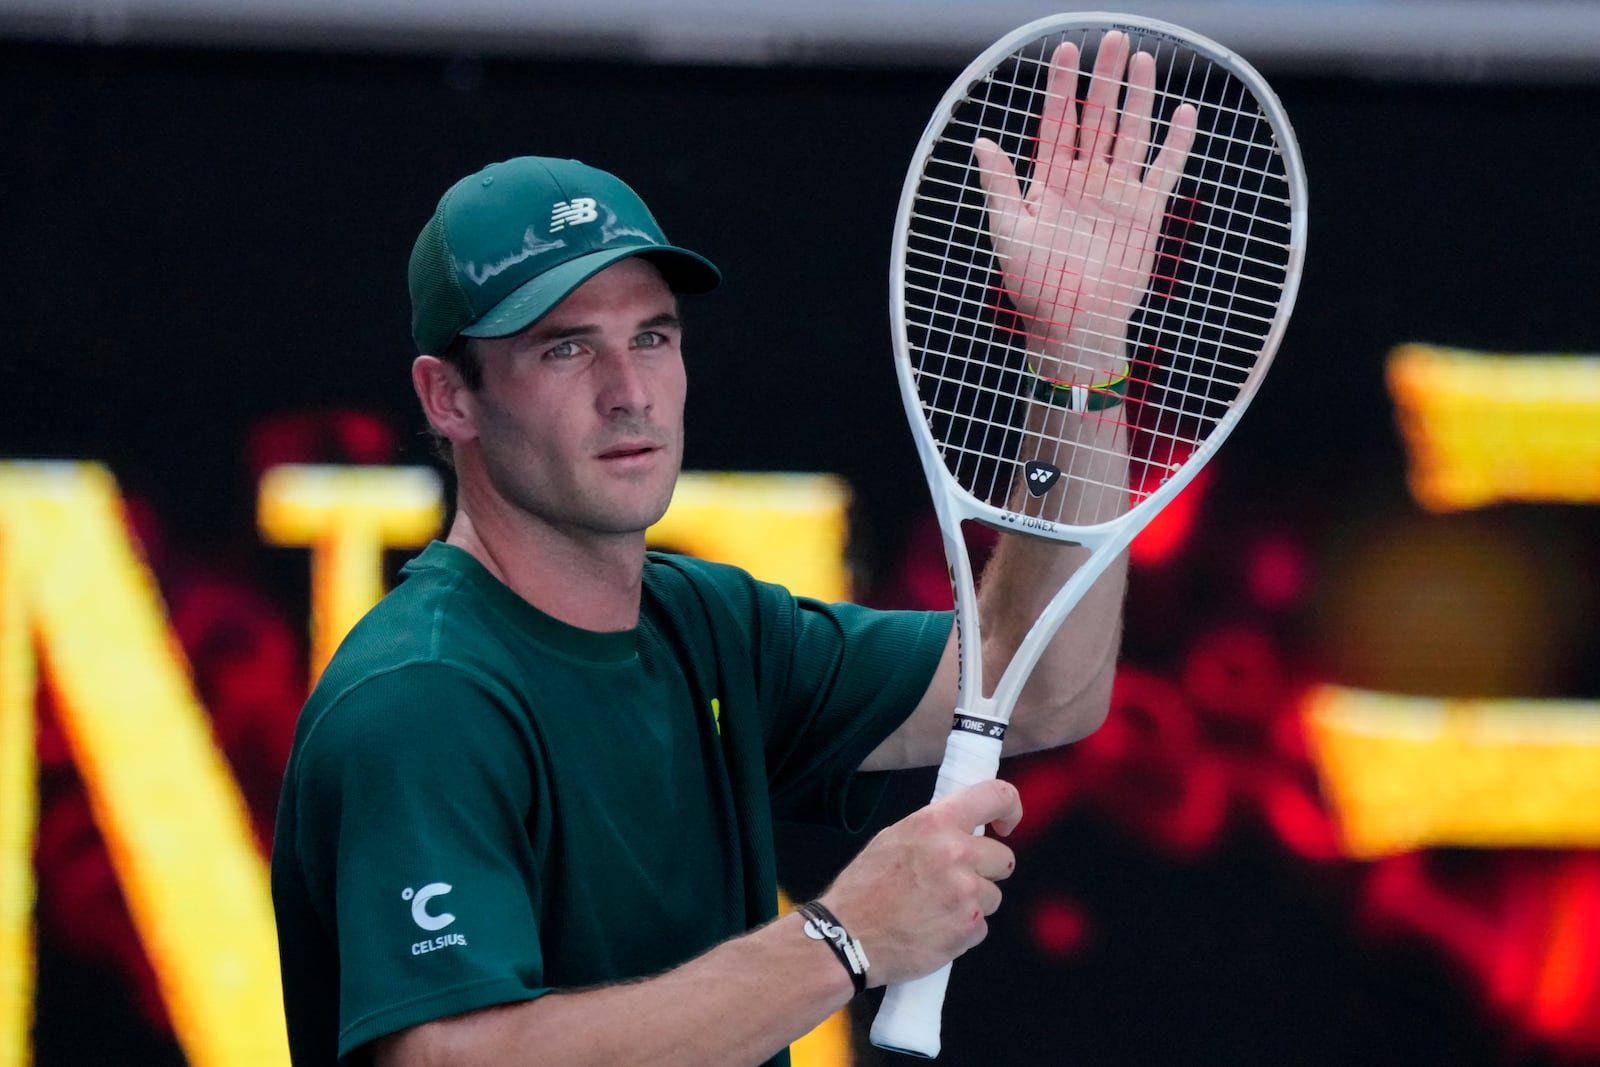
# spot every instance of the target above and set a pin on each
(580, 416)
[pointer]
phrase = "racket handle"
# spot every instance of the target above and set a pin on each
(968, 759)
(908, 1020)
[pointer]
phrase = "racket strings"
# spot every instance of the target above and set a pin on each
(1226, 287)
(1193, 335)
(1217, 371)
(991, 434)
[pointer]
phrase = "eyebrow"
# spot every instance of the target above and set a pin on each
(561, 333)
(666, 318)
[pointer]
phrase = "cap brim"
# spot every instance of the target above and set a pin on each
(683, 270)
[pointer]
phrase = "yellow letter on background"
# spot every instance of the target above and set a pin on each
(348, 515)
(165, 801)
(163, 797)
(19, 813)
(785, 528)
(1483, 427)
(1412, 772)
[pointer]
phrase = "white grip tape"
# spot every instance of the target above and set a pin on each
(968, 760)
(909, 1020)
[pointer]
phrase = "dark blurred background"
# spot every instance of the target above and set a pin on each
(205, 230)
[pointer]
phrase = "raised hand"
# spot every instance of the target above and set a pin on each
(1077, 248)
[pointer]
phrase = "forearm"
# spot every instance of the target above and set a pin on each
(1075, 244)
(1069, 690)
(735, 1006)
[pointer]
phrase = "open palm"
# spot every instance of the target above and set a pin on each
(1077, 248)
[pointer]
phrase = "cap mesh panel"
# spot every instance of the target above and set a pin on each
(439, 307)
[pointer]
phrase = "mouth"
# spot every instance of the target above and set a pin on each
(629, 450)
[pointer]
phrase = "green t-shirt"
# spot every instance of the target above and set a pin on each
(484, 803)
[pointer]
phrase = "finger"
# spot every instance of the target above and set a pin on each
(993, 803)
(1133, 129)
(1174, 154)
(1095, 135)
(1057, 144)
(997, 176)
(993, 860)
(1002, 193)
(989, 898)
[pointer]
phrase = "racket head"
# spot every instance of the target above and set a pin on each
(1204, 330)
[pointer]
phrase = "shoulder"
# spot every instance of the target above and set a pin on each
(676, 585)
(435, 634)
(413, 712)
(426, 668)
(439, 594)
(767, 611)
(670, 575)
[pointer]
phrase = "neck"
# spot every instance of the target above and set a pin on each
(588, 581)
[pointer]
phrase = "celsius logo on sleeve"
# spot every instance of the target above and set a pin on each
(419, 906)
(429, 921)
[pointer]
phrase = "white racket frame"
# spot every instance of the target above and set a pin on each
(909, 1019)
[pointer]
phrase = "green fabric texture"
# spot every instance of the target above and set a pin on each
(484, 803)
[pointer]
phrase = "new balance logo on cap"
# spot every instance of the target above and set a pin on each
(574, 212)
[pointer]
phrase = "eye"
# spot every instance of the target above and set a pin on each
(650, 339)
(562, 350)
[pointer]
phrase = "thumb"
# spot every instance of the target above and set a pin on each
(993, 803)
(1001, 192)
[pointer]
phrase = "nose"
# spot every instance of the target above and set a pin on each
(624, 386)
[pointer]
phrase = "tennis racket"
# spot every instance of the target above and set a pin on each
(1098, 246)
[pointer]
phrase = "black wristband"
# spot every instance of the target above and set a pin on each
(822, 926)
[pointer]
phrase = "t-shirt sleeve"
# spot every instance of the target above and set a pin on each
(414, 821)
(839, 679)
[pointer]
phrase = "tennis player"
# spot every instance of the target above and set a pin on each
(529, 814)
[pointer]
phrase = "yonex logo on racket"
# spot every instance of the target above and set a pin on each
(574, 212)
(983, 727)
(1041, 476)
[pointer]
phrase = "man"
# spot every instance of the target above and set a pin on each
(528, 818)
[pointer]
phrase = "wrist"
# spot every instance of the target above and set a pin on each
(820, 924)
(1092, 394)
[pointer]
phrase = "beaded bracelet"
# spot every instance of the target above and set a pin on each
(1098, 396)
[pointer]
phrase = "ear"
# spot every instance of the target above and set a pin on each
(446, 400)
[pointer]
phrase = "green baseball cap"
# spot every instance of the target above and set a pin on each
(507, 244)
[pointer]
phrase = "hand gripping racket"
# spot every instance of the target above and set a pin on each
(1092, 270)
